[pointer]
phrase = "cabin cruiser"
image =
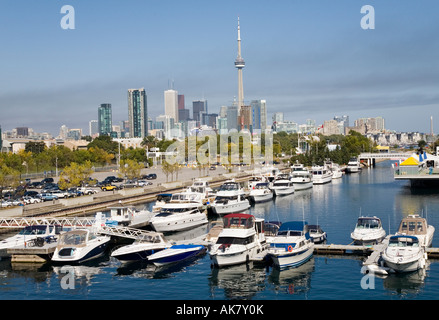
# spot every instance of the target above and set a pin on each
(142, 248)
(202, 187)
(404, 253)
(176, 253)
(292, 246)
(242, 240)
(261, 193)
(282, 185)
(255, 179)
(79, 245)
(230, 198)
(129, 216)
(353, 165)
(269, 172)
(183, 211)
(316, 233)
(368, 231)
(301, 177)
(414, 225)
(337, 173)
(321, 175)
(27, 235)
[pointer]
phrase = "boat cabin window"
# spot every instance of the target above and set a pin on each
(412, 227)
(289, 233)
(234, 240)
(238, 222)
(73, 238)
(229, 187)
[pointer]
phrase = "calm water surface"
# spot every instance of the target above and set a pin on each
(335, 206)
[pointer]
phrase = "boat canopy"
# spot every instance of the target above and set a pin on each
(74, 237)
(229, 186)
(239, 220)
(294, 228)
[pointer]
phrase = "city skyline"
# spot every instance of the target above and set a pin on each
(308, 60)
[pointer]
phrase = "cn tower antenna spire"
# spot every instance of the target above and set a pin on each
(240, 64)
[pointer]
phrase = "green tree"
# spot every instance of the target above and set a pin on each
(75, 175)
(130, 168)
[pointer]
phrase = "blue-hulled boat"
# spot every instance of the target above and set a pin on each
(176, 253)
(292, 246)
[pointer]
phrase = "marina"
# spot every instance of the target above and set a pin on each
(317, 205)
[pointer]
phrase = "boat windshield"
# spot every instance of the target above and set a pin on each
(412, 227)
(222, 198)
(33, 230)
(77, 237)
(368, 223)
(289, 233)
(229, 187)
(403, 242)
(281, 184)
(234, 240)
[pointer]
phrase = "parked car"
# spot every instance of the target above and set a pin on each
(47, 180)
(87, 191)
(47, 196)
(143, 183)
(108, 187)
(111, 179)
(31, 200)
(151, 176)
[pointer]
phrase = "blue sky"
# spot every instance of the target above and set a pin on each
(308, 59)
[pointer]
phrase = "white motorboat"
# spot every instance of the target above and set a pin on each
(202, 187)
(129, 216)
(242, 240)
(316, 233)
(292, 246)
(230, 198)
(141, 249)
(368, 231)
(183, 211)
(27, 235)
(255, 179)
(79, 245)
(176, 253)
(301, 177)
(415, 225)
(269, 172)
(337, 173)
(321, 175)
(353, 166)
(261, 193)
(282, 186)
(404, 254)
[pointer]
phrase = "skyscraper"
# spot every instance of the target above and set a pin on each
(104, 119)
(199, 107)
(171, 104)
(137, 113)
(240, 64)
(259, 115)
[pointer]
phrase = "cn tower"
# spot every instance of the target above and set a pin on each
(240, 64)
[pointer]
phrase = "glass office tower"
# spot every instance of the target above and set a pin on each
(137, 113)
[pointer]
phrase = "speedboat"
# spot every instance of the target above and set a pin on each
(230, 198)
(321, 175)
(414, 225)
(368, 231)
(337, 173)
(183, 211)
(404, 254)
(141, 249)
(176, 253)
(316, 233)
(261, 193)
(353, 166)
(79, 245)
(282, 186)
(26, 235)
(292, 246)
(241, 241)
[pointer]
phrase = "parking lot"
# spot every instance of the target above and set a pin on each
(50, 193)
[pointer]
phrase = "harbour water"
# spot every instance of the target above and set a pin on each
(335, 206)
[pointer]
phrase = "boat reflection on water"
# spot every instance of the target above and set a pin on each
(238, 282)
(142, 269)
(406, 284)
(294, 280)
